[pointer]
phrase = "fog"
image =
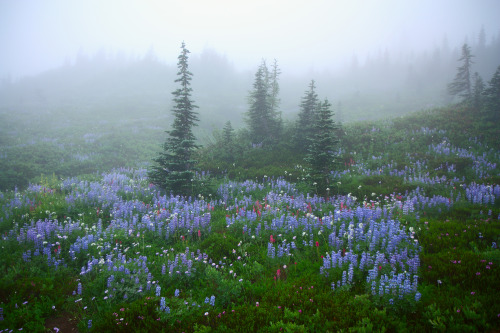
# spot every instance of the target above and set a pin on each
(302, 35)
(86, 86)
(372, 59)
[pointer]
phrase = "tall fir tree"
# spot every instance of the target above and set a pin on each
(274, 100)
(323, 145)
(228, 142)
(492, 98)
(305, 125)
(262, 117)
(173, 167)
(477, 93)
(461, 85)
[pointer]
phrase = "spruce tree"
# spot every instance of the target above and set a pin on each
(262, 118)
(477, 93)
(305, 125)
(274, 100)
(228, 142)
(173, 168)
(492, 97)
(323, 144)
(461, 85)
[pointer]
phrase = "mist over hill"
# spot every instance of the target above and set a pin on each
(385, 85)
(105, 110)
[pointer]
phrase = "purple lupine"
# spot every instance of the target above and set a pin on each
(158, 290)
(270, 250)
(162, 304)
(350, 273)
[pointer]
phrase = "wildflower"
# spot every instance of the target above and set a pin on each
(317, 244)
(89, 324)
(472, 292)
(158, 290)
(256, 303)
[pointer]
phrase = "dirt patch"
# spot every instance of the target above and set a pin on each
(65, 322)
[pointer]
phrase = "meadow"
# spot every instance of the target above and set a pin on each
(405, 238)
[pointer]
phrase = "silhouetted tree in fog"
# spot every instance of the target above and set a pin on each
(173, 168)
(274, 99)
(228, 137)
(492, 97)
(461, 85)
(262, 118)
(477, 92)
(305, 125)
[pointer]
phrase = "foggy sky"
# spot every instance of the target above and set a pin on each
(37, 35)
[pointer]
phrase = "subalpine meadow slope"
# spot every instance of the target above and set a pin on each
(405, 238)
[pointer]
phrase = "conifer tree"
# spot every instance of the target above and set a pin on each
(274, 99)
(306, 121)
(323, 144)
(477, 92)
(262, 117)
(173, 168)
(492, 97)
(461, 85)
(228, 142)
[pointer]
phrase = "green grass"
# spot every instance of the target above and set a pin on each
(457, 277)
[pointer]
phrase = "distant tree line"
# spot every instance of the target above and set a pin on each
(484, 100)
